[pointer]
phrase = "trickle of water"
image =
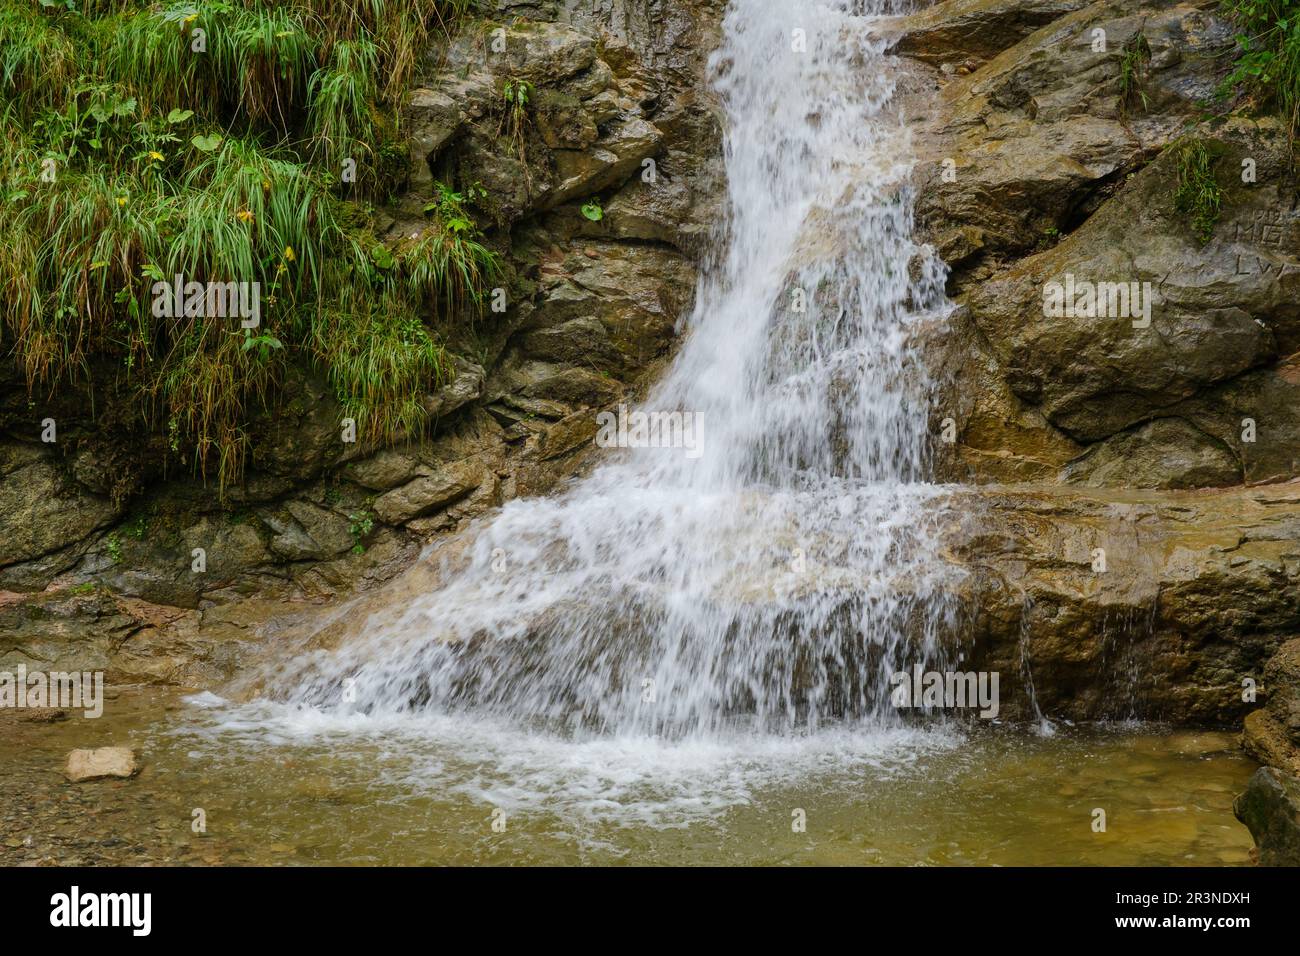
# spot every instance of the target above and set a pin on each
(779, 573)
(1043, 726)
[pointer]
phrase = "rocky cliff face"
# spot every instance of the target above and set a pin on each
(100, 555)
(1043, 162)
(1134, 548)
(1152, 569)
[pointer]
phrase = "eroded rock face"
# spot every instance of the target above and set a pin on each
(616, 116)
(1215, 310)
(43, 509)
(1057, 161)
(1198, 591)
(1270, 808)
(961, 34)
(1272, 733)
(1041, 132)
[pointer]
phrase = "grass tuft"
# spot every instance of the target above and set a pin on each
(1198, 194)
(1134, 58)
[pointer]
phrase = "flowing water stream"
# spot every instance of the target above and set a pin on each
(691, 645)
(781, 568)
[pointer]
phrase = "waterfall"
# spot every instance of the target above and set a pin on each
(774, 574)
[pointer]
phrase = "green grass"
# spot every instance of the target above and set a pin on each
(1268, 61)
(344, 122)
(221, 166)
(380, 358)
(1198, 194)
(36, 57)
(1134, 57)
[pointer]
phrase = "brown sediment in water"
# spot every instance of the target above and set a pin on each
(999, 797)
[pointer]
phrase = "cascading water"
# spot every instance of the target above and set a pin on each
(773, 578)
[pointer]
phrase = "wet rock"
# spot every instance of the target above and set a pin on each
(584, 339)
(1270, 808)
(100, 763)
(63, 630)
(1272, 734)
(570, 386)
(298, 439)
(607, 163)
(635, 293)
(307, 531)
(1164, 453)
(568, 434)
(429, 492)
(564, 123)
(1198, 591)
(969, 31)
(1212, 318)
(994, 435)
(543, 53)
(465, 386)
(42, 509)
(432, 117)
(1040, 132)
(581, 131)
(384, 470)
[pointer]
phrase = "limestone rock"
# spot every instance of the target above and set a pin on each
(1217, 311)
(100, 763)
(1039, 133)
(429, 493)
(42, 510)
(384, 470)
(465, 386)
(998, 437)
(432, 118)
(302, 437)
(608, 162)
(636, 293)
(1163, 453)
(1270, 808)
(1199, 590)
(967, 31)
(583, 340)
(307, 531)
(1272, 734)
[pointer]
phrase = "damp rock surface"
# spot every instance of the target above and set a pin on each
(1270, 807)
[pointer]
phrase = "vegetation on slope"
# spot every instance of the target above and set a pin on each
(1268, 65)
(221, 141)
